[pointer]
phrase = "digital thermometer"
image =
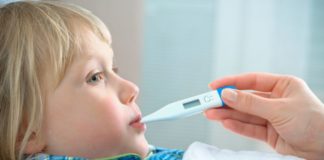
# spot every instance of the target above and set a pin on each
(188, 107)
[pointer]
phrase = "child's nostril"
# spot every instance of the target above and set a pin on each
(131, 99)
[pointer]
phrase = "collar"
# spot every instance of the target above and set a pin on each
(126, 156)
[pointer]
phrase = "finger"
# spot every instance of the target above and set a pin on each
(262, 94)
(253, 81)
(221, 114)
(249, 103)
(250, 130)
(227, 112)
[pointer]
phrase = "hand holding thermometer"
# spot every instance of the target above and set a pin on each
(188, 107)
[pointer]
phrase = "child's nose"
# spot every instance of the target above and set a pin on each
(128, 92)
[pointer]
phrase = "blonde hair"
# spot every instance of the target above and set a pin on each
(36, 38)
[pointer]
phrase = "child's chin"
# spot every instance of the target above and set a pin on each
(143, 147)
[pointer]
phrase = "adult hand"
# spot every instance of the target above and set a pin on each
(281, 111)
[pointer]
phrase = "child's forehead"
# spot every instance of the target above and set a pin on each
(93, 50)
(92, 45)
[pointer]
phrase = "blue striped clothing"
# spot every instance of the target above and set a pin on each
(157, 153)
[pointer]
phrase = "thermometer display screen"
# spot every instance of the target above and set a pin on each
(191, 104)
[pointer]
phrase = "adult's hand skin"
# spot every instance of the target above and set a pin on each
(281, 111)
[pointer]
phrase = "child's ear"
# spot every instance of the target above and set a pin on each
(34, 145)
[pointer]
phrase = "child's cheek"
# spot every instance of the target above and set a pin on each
(112, 110)
(115, 120)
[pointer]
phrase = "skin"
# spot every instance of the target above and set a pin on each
(281, 111)
(89, 113)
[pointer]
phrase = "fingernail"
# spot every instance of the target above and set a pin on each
(229, 94)
(210, 85)
(205, 114)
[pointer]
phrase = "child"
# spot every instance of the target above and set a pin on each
(59, 95)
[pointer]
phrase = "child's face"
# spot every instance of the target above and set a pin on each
(92, 113)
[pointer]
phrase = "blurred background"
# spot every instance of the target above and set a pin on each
(172, 49)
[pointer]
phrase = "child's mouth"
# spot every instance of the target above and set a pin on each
(136, 123)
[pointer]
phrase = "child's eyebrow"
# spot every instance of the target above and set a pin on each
(109, 60)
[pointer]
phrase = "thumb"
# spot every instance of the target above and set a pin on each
(248, 103)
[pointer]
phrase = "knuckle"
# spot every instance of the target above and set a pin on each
(295, 79)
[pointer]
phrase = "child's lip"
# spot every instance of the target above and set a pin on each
(137, 119)
(136, 123)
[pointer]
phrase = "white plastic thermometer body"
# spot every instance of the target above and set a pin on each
(188, 107)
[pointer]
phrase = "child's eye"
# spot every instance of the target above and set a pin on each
(97, 77)
(115, 69)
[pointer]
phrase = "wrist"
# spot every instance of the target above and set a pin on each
(311, 144)
(318, 152)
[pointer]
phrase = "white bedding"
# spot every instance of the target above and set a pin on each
(201, 151)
